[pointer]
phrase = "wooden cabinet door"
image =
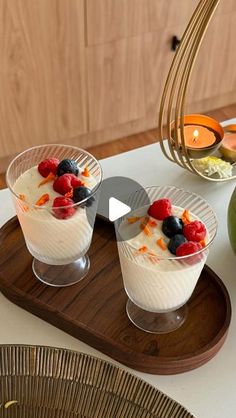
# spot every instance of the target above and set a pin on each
(214, 71)
(116, 83)
(110, 20)
(42, 72)
(126, 77)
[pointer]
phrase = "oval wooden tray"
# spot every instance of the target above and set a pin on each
(94, 309)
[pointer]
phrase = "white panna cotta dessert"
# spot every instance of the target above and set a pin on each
(55, 226)
(157, 248)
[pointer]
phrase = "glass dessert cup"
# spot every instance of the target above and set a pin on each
(59, 246)
(159, 287)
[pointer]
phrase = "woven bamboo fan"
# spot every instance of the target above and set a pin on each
(174, 96)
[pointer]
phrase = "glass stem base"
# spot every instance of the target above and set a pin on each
(61, 276)
(156, 323)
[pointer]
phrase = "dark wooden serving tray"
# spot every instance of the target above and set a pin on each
(94, 309)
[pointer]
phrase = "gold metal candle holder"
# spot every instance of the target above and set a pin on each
(196, 122)
(173, 100)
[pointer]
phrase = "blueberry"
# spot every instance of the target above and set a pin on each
(175, 242)
(67, 166)
(80, 193)
(172, 225)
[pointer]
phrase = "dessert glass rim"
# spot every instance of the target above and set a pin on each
(160, 257)
(44, 207)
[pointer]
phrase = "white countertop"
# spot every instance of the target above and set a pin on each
(209, 391)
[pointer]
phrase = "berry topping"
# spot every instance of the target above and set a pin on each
(67, 166)
(188, 248)
(175, 242)
(48, 166)
(195, 231)
(81, 193)
(160, 209)
(172, 225)
(62, 207)
(65, 183)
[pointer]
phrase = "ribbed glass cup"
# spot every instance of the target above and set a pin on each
(158, 287)
(55, 243)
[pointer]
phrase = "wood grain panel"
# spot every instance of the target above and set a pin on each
(214, 73)
(109, 20)
(116, 83)
(42, 72)
(126, 77)
(213, 76)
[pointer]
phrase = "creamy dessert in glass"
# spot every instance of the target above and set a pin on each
(55, 189)
(162, 249)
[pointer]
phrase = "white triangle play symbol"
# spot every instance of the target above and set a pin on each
(117, 209)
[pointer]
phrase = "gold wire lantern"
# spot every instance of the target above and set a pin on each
(173, 100)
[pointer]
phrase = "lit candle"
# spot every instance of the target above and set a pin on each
(202, 135)
(198, 136)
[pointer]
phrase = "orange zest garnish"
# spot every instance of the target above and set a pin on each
(22, 197)
(152, 223)
(161, 243)
(25, 208)
(69, 194)
(143, 249)
(43, 199)
(186, 217)
(202, 243)
(133, 219)
(145, 229)
(86, 172)
(50, 177)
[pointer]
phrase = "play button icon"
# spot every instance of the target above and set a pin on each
(117, 209)
(120, 196)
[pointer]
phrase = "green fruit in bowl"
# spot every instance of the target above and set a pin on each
(232, 220)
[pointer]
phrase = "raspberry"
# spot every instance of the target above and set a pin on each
(188, 248)
(66, 182)
(61, 212)
(160, 209)
(48, 166)
(195, 231)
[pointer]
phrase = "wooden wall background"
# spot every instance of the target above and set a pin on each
(88, 71)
